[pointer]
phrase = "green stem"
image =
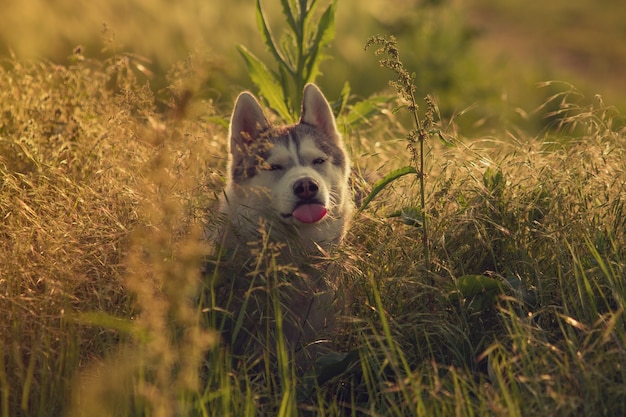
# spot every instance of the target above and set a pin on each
(300, 35)
(421, 138)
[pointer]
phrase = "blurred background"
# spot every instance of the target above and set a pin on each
(481, 59)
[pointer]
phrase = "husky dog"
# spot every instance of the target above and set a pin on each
(294, 179)
(288, 185)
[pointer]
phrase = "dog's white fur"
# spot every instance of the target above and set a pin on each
(265, 164)
(272, 171)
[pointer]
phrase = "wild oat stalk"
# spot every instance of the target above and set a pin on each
(405, 88)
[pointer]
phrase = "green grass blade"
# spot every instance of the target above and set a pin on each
(287, 404)
(344, 97)
(108, 321)
(26, 388)
(448, 143)
(389, 178)
(4, 386)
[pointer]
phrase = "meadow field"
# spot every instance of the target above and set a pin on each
(483, 55)
(113, 125)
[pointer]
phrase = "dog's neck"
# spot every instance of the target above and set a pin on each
(286, 243)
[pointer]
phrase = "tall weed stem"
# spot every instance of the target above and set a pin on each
(405, 88)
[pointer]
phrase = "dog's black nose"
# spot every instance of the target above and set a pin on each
(305, 189)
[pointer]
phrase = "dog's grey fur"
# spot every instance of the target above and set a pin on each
(272, 171)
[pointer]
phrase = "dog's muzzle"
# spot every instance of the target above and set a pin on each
(308, 209)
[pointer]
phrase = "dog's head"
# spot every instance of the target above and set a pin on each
(300, 171)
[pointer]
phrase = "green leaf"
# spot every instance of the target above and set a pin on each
(307, 14)
(333, 364)
(479, 291)
(397, 109)
(412, 216)
(288, 13)
(268, 84)
(326, 26)
(361, 111)
(323, 37)
(219, 120)
(109, 321)
(472, 285)
(267, 37)
(494, 180)
(381, 184)
(284, 85)
(442, 138)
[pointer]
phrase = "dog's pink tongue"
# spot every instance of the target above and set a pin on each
(309, 213)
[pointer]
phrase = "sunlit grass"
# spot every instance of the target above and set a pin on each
(484, 55)
(76, 149)
(103, 202)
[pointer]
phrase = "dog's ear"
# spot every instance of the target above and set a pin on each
(246, 123)
(317, 112)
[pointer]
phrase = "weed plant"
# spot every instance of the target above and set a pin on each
(405, 88)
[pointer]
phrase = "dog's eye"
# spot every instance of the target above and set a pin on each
(318, 161)
(273, 167)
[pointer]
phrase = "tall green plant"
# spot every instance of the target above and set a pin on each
(298, 54)
(423, 129)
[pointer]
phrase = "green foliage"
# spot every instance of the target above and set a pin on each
(479, 291)
(298, 54)
(405, 88)
(411, 216)
(459, 51)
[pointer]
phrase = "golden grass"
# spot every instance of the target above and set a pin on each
(78, 147)
(103, 200)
